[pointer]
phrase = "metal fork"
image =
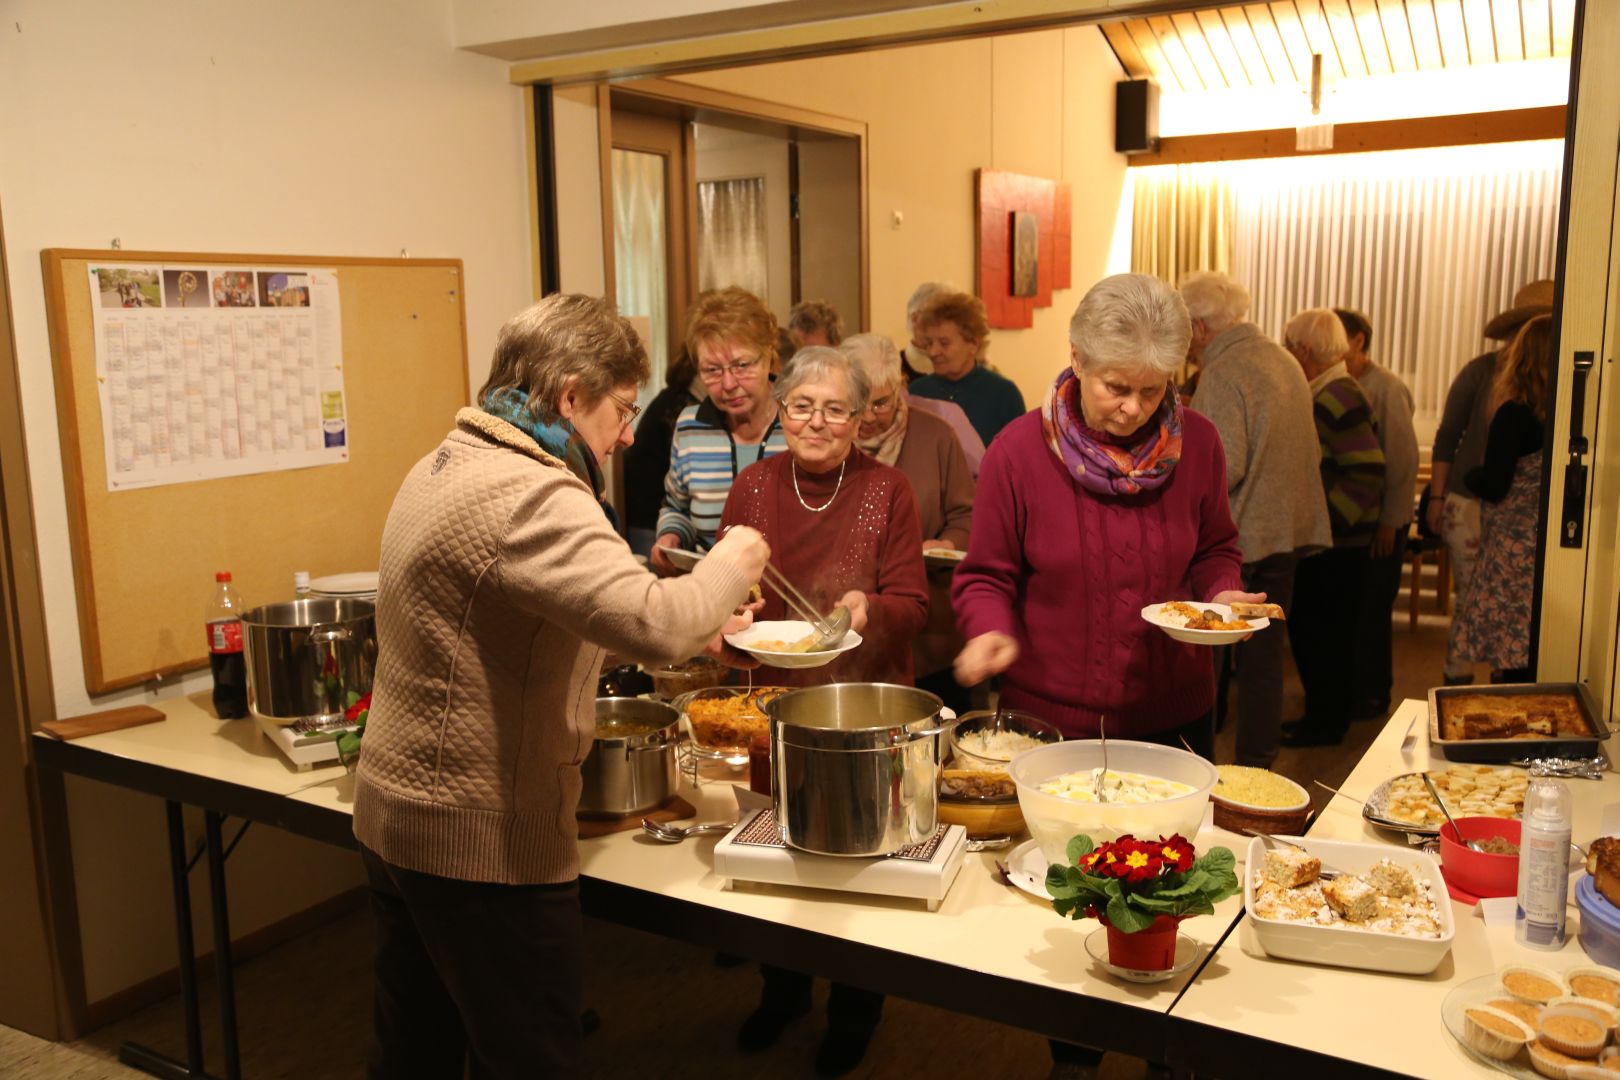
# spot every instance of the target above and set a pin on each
(1327, 873)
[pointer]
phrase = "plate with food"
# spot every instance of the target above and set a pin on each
(1529, 1021)
(1403, 804)
(1514, 721)
(943, 556)
(1208, 623)
(788, 643)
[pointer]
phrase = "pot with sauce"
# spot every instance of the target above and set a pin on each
(631, 766)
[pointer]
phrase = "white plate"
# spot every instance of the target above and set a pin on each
(943, 556)
(346, 584)
(1026, 868)
(1187, 953)
(1466, 996)
(1164, 622)
(788, 630)
(683, 560)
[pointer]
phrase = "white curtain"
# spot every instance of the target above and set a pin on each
(1429, 244)
(731, 234)
(639, 263)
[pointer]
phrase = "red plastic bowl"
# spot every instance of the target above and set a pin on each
(1475, 871)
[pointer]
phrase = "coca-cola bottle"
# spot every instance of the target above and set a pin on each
(225, 650)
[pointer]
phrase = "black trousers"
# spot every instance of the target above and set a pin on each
(848, 1006)
(1322, 629)
(471, 973)
(1259, 662)
(1374, 677)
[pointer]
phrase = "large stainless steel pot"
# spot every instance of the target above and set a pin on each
(306, 657)
(631, 766)
(856, 767)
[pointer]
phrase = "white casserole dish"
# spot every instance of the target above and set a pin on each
(1345, 946)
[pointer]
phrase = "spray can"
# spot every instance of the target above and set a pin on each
(1543, 865)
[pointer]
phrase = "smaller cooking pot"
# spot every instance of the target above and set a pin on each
(631, 766)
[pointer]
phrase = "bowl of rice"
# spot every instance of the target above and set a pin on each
(988, 740)
(975, 790)
(1249, 798)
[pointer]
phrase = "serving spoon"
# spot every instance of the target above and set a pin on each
(674, 834)
(1471, 845)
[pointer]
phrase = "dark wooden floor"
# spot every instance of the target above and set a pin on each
(667, 1009)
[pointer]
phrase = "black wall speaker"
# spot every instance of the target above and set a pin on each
(1136, 116)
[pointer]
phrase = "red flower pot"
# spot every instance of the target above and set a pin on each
(1152, 949)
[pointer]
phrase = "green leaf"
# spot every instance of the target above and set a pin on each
(1126, 918)
(1058, 883)
(350, 698)
(1078, 848)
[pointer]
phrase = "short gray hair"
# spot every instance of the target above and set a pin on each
(564, 336)
(1131, 320)
(1214, 298)
(815, 364)
(877, 357)
(1320, 331)
(922, 295)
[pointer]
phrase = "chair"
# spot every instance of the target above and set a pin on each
(1421, 549)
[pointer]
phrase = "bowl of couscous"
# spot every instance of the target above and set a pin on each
(1249, 798)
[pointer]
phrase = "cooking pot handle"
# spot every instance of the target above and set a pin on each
(948, 718)
(325, 635)
(659, 746)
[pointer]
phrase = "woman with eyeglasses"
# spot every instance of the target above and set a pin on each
(502, 587)
(732, 334)
(843, 528)
(926, 449)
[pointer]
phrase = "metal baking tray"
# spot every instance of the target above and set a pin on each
(1499, 750)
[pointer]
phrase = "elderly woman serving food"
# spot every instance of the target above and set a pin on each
(502, 583)
(1110, 499)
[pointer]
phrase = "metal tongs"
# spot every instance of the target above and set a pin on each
(830, 629)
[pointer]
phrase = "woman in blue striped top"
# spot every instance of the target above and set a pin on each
(733, 336)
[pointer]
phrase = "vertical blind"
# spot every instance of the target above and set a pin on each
(1429, 244)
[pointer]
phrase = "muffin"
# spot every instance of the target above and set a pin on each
(1598, 983)
(1495, 1033)
(1552, 1063)
(1572, 1030)
(1524, 1010)
(1533, 984)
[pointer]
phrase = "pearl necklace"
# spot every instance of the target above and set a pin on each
(794, 465)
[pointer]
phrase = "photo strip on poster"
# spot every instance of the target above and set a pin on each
(210, 371)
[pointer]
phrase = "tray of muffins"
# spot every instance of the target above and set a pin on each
(1533, 1022)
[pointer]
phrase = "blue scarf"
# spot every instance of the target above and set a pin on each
(559, 438)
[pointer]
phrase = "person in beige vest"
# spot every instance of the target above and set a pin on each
(502, 585)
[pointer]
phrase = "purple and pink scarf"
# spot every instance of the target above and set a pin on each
(1105, 468)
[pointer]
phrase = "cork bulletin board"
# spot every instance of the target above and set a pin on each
(144, 558)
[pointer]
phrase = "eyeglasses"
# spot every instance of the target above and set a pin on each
(628, 410)
(836, 414)
(882, 404)
(741, 370)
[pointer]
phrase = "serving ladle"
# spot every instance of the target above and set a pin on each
(674, 834)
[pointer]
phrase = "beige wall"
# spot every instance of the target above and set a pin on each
(302, 127)
(830, 225)
(1038, 103)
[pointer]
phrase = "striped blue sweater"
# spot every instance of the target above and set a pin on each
(703, 463)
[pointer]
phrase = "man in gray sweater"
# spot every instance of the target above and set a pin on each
(1257, 397)
(1391, 401)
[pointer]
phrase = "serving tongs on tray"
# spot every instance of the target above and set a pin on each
(830, 629)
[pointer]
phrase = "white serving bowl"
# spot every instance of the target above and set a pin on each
(1348, 946)
(788, 630)
(1053, 820)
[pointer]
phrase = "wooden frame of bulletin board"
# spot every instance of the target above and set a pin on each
(144, 558)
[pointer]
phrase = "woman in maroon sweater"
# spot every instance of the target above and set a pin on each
(844, 530)
(1111, 498)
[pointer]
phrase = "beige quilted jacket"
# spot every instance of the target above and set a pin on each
(501, 585)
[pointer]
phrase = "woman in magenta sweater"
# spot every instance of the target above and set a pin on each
(1111, 498)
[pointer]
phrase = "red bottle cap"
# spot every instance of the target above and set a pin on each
(224, 575)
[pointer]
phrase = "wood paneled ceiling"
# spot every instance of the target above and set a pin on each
(1268, 44)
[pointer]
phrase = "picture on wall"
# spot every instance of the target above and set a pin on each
(128, 286)
(1023, 245)
(1026, 253)
(185, 288)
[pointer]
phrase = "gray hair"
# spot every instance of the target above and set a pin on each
(1214, 299)
(1128, 321)
(922, 295)
(815, 364)
(877, 357)
(561, 337)
(1320, 331)
(808, 316)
